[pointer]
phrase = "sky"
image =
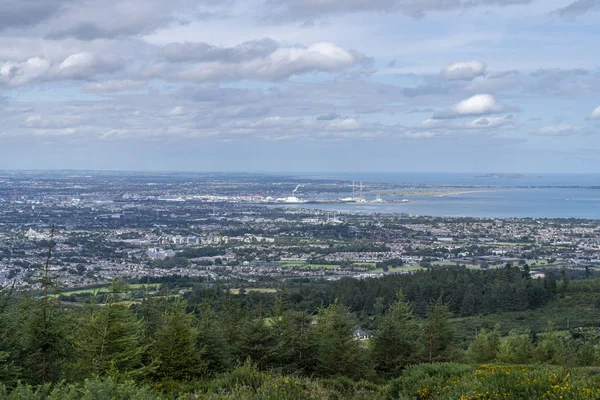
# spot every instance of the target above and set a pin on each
(300, 85)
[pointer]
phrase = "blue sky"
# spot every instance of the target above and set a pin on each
(300, 85)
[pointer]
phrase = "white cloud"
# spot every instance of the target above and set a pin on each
(560, 130)
(463, 71)
(280, 64)
(476, 105)
(480, 104)
(344, 124)
(115, 133)
(176, 111)
(86, 64)
(188, 51)
(595, 114)
(420, 135)
(80, 65)
(55, 132)
(500, 82)
(481, 123)
(52, 122)
(20, 73)
(114, 86)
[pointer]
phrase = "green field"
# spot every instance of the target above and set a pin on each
(106, 289)
(303, 264)
(511, 244)
(258, 290)
(404, 268)
(320, 266)
(291, 263)
(365, 264)
(451, 264)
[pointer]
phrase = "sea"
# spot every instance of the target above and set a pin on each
(502, 195)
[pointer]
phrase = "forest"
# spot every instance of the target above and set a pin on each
(304, 341)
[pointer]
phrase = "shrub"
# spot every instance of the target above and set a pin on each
(91, 389)
(452, 381)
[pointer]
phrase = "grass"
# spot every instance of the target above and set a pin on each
(83, 291)
(303, 264)
(544, 263)
(511, 244)
(365, 264)
(258, 290)
(320, 266)
(291, 262)
(451, 264)
(404, 268)
(105, 289)
(143, 285)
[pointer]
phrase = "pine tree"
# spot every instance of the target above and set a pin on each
(295, 348)
(550, 286)
(564, 283)
(484, 346)
(396, 340)
(212, 341)
(550, 348)
(468, 305)
(233, 320)
(175, 348)
(151, 312)
(438, 333)
(516, 348)
(109, 342)
(44, 342)
(339, 352)
(256, 342)
(9, 371)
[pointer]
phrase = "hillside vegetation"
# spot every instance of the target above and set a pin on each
(439, 334)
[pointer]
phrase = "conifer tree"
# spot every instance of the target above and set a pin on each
(212, 341)
(564, 283)
(233, 320)
(294, 347)
(484, 346)
(338, 350)
(44, 342)
(256, 341)
(8, 369)
(468, 304)
(550, 348)
(438, 333)
(109, 342)
(175, 348)
(516, 348)
(550, 286)
(151, 312)
(396, 340)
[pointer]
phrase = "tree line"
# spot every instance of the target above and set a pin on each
(466, 292)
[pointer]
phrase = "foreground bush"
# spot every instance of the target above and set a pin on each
(244, 383)
(248, 383)
(469, 382)
(422, 382)
(90, 390)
